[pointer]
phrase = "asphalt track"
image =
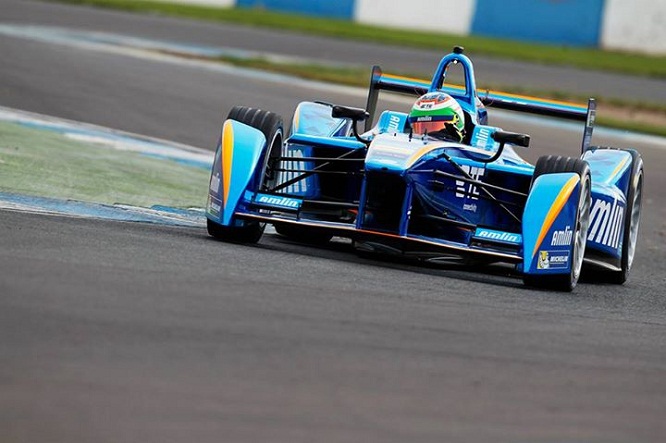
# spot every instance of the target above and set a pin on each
(113, 331)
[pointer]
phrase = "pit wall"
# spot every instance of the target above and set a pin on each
(636, 25)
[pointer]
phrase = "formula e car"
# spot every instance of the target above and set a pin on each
(393, 192)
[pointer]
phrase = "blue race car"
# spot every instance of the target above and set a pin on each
(460, 194)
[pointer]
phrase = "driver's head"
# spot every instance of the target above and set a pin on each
(439, 115)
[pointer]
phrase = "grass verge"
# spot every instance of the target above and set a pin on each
(630, 63)
(49, 164)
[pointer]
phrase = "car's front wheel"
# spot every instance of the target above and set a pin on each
(556, 164)
(271, 125)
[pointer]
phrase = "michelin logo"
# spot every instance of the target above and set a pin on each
(544, 260)
(552, 260)
(562, 238)
(280, 202)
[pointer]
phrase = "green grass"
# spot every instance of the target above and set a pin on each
(634, 126)
(630, 63)
(49, 164)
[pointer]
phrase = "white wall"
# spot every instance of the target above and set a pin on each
(447, 16)
(634, 25)
(220, 3)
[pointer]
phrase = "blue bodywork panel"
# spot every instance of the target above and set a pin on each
(611, 174)
(237, 160)
(549, 222)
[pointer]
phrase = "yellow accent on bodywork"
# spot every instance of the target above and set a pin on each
(555, 209)
(421, 152)
(297, 119)
(617, 170)
(227, 157)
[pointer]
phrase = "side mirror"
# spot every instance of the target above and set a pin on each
(355, 114)
(512, 138)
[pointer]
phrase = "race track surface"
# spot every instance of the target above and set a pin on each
(115, 331)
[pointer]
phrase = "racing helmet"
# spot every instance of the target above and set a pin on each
(439, 115)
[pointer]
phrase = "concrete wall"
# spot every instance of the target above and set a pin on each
(632, 25)
(448, 16)
(635, 25)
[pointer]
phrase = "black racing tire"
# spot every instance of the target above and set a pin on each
(552, 164)
(302, 234)
(632, 220)
(248, 233)
(271, 125)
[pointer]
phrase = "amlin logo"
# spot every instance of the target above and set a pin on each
(562, 238)
(501, 236)
(280, 202)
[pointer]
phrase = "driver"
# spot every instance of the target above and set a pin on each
(438, 115)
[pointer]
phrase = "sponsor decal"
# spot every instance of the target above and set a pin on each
(544, 260)
(482, 139)
(215, 183)
(606, 222)
(213, 207)
(471, 207)
(507, 237)
(484, 136)
(553, 260)
(394, 123)
(591, 117)
(562, 238)
(469, 190)
(281, 202)
(559, 259)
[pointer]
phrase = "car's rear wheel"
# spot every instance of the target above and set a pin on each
(556, 164)
(271, 125)
(631, 222)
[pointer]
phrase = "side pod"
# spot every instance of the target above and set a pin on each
(549, 224)
(237, 168)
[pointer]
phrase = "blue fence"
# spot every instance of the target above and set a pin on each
(611, 24)
(323, 8)
(571, 22)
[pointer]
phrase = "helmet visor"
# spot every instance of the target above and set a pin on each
(428, 124)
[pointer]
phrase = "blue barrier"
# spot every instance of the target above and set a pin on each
(343, 9)
(586, 23)
(572, 22)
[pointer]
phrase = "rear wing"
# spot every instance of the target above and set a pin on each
(492, 99)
